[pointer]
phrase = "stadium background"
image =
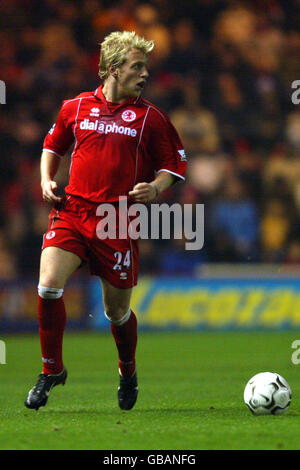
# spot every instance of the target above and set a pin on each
(223, 71)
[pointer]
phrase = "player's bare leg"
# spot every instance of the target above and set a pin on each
(123, 325)
(56, 267)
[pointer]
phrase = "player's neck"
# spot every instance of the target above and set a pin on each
(113, 93)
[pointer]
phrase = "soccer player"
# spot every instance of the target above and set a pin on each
(124, 146)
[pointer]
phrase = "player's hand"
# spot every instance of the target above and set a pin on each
(48, 188)
(144, 192)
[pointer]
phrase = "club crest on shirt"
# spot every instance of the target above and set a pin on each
(50, 235)
(128, 115)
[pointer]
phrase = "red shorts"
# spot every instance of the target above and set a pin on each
(73, 226)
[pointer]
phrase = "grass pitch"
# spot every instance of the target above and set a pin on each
(191, 394)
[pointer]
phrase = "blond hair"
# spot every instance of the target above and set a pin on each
(116, 46)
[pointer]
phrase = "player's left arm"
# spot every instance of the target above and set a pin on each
(147, 192)
(168, 155)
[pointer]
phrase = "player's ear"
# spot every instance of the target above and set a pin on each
(113, 71)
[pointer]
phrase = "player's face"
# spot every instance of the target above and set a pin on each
(132, 75)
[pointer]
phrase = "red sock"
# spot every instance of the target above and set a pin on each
(126, 339)
(52, 321)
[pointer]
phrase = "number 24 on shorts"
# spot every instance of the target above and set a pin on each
(125, 262)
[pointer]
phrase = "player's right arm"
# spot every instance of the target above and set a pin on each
(49, 166)
(56, 144)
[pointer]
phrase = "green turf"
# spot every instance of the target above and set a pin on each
(191, 394)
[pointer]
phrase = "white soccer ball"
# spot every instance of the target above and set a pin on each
(267, 393)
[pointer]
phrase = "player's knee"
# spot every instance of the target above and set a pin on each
(116, 313)
(49, 292)
(48, 280)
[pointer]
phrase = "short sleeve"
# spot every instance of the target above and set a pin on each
(166, 147)
(60, 137)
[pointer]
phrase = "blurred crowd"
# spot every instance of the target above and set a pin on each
(221, 69)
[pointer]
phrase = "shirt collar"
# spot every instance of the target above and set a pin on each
(99, 94)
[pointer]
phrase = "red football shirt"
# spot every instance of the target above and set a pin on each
(116, 145)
